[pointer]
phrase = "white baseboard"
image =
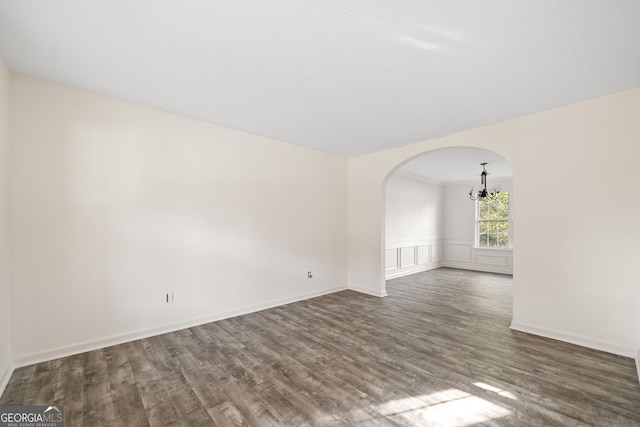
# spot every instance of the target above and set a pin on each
(5, 376)
(43, 356)
(476, 267)
(638, 365)
(381, 293)
(394, 274)
(575, 339)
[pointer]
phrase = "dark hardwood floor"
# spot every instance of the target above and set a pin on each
(437, 351)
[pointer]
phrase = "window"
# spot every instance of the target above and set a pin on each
(493, 222)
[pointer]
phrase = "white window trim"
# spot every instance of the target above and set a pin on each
(509, 225)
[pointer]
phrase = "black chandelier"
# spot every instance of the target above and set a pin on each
(483, 193)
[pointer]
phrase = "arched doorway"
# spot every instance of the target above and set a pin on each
(429, 221)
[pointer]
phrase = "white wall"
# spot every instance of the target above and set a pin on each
(460, 231)
(575, 168)
(414, 225)
(114, 205)
(5, 336)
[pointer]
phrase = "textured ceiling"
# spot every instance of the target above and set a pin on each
(348, 78)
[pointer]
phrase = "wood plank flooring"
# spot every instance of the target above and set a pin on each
(437, 351)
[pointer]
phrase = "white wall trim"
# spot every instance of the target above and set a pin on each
(476, 267)
(43, 356)
(464, 255)
(401, 273)
(391, 244)
(6, 372)
(575, 339)
(638, 364)
(404, 257)
(382, 293)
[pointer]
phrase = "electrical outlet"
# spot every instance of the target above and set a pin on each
(309, 275)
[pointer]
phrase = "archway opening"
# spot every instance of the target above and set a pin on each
(429, 220)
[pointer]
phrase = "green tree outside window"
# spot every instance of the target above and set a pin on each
(493, 222)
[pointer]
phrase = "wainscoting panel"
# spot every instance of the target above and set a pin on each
(391, 259)
(458, 252)
(436, 252)
(463, 254)
(423, 254)
(501, 260)
(407, 256)
(403, 257)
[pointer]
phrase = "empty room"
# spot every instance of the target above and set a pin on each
(219, 213)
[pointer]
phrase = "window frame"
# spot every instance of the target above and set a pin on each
(509, 226)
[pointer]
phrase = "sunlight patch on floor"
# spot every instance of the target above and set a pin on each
(497, 390)
(445, 408)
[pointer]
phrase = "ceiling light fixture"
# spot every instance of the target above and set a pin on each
(483, 192)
